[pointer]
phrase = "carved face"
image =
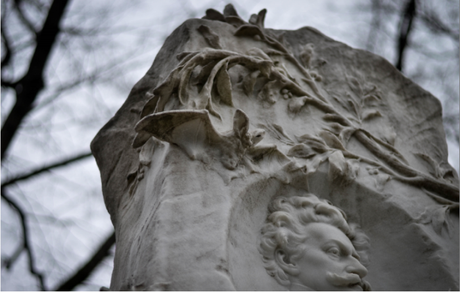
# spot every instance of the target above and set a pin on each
(329, 261)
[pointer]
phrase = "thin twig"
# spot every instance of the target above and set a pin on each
(26, 240)
(27, 23)
(48, 167)
(85, 271)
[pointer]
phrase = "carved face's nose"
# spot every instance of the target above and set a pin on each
(356, 267)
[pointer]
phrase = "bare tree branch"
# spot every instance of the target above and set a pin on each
(9, 261)
(48, 167)
(404, 31)
(435, 24)
(25, 244)
(7, 57)
(17, 5)
(89, 77)
(32, 83)
(375, 25)
(6, 83)
(89, 267)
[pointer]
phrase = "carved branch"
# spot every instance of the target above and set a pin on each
(222, 59)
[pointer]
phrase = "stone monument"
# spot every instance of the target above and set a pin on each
(256, 159)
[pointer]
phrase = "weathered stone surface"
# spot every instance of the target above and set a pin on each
(232, 115)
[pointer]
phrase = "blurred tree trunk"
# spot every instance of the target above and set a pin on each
(28, 87)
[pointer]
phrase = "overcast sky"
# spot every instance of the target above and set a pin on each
(69, 217)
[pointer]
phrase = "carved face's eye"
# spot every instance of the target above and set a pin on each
(334, 251)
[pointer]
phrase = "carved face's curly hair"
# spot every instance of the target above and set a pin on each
(283, 230)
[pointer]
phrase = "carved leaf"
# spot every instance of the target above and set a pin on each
(257, 153)
(212, 14)
(333, 118)
(346, 134)
(431, 162)
(140, 138)
(371, 114)
(338, 166)
(184, 85)
(316, 144)
(335, 128)
(371, 100)
(315, 162)
(229, 10)
(354, 106)
(165, 89)
(240, 123)
(267, 156)
(342, 170)
(210, 107)
(331, 140)
(279, 134)
(184, 57)
(293, 173)
(256, 52)
(340, 101)
(355, 86)
(150, 106)
(211, 38)
(205, 71)
(188, 129)
(301, 151)
(261, 18)
(224, 85)
(249, 30)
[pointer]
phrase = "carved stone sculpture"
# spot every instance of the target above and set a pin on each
(307, 244)
(230, 117)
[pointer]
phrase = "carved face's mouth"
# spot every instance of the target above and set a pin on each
(347, 281)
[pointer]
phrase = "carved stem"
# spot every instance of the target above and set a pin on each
(448, 191)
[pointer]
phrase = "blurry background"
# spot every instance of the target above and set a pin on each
(68, 65)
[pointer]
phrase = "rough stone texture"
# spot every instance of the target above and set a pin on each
(189, 199)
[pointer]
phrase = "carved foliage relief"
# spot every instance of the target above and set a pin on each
(210, 88)
(244, 101)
